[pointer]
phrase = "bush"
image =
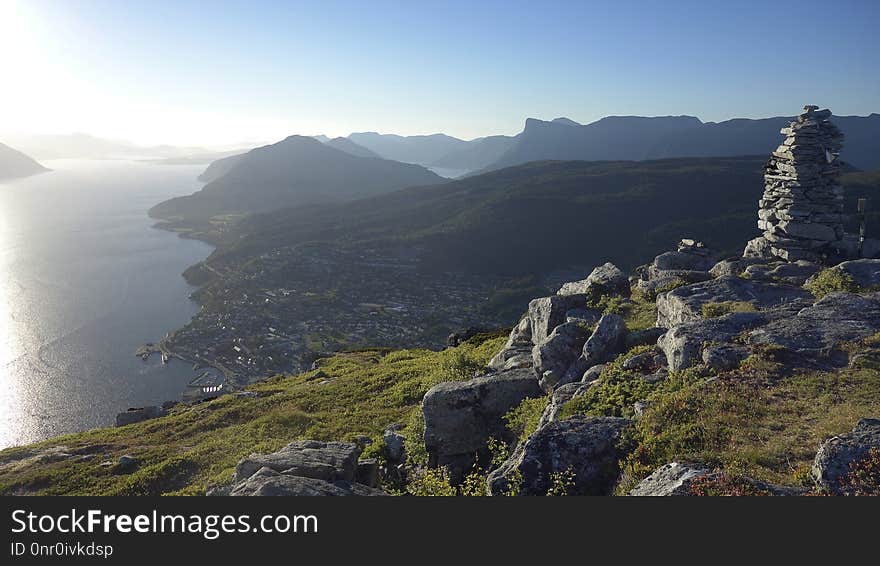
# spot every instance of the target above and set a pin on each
(829, 281)
(461, 366)
(523, 419)
(864, 475)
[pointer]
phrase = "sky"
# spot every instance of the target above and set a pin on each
(224, 72)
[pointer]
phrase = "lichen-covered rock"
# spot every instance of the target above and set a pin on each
(268, 482)
(836, 456)
(461, 416)
(329, 461)
(517, 352)
(554, 356)
(724, 357)
(673, 479)
(685, 303)
(683, 345)
(604, 344)
(547, 313)
(561, 395)
(816, 331)
(588, 448)
(865, 272)
(606, 279)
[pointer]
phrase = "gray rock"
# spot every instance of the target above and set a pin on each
(865, 272)
(795, 273)
(269, 482)
(395, 444)
(646, 362)
(547, 313)
(683, 345)
(724, 357)
(680, 261)
(589, 447)
(593, 373)
(606, 279)
(560, 397)
(835, 457)
(460, 417)
(584, 316)
(817, 330)
(685, 303)
(607, 340)
(678, 479)
(733, 266)
(673, 479)
(139, 414)
(517, 352)
(554, 356)
(329, 461)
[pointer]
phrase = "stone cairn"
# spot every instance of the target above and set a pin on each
(801, 211)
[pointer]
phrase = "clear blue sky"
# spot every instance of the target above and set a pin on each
(214, 72)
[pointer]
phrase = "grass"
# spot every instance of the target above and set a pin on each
(523, 419)
(199, 445)
(714, 310)
(639, 313)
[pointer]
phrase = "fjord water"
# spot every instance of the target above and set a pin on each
(84, 280)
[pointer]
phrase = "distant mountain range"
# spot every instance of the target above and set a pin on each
(616, 138)
(14, 164)
(296, 171)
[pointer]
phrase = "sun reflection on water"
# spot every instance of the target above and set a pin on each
(9, 395)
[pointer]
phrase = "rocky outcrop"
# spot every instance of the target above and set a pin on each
(554, 356)
(461, 416)
(588, 448)
(606, 279)
(673, 479)
(818, 329)
(547, 313)
(864, 272)
(836, 457)
(517, 352)
(305, 467)
(684, 344)
(604, 344)
(561, 395)
(685, 304)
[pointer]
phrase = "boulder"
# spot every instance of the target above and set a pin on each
(683, 345)
(590, 448)
(724, 357)
(673, 479)
(328, 461)
(554, 356)
(593, 373)
(560, 397)
(865, 272)
(685, 303)
(517, 352)
(461, 416)
(678, 479)
(838, 454)
(606, 279)
(643, 337)
(547, 313)
(460, 336)
(817, 330)
(680, 261)
(605, 343)
(395, 444)
(270, 482)
(733, 266)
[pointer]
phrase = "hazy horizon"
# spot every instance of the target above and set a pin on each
(182, 73)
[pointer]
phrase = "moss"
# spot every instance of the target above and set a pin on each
(714, 310)
(198, 445)
(831, 280)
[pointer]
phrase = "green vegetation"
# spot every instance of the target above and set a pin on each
(639, 313)
(713, 310)
(615, 393)
(523, 420)
(830, 280)
(197, 445)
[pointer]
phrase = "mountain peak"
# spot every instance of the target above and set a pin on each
(565, 121)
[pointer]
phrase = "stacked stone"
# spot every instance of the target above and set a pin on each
(801, 211)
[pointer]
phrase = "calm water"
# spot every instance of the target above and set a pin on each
(84, 281)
